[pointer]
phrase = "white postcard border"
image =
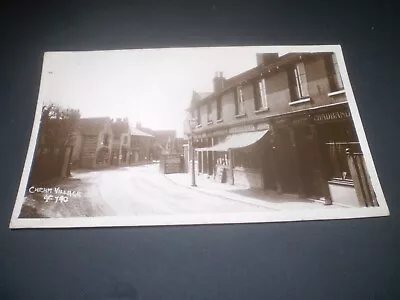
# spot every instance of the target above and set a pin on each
(226, 218)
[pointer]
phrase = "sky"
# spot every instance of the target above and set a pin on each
(150, 86)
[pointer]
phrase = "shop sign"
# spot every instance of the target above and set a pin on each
(263, 126)
(300, 121)
(241, 129)
(171, 163)
(332, 116)
(220, 132)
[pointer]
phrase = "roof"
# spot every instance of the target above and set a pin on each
(237, 141)
(137, 132)
(92, 126)
(119, 127)
(254, 72)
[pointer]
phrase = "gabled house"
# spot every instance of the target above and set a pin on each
(93, 141)
(162, 140)
(141, 144)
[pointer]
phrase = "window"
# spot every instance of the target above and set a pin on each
(209, 112)
(198, 116)
(332, 68)
(125, 140)
(219, 108)
(245, 159)
(260, 96)
(105, 139)
(239, 101)
(297, 82)
(338, 160)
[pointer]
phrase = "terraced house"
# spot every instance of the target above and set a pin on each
(284, 125)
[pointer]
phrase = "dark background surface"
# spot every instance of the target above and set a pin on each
(342, 259)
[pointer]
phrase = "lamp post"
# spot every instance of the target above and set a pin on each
(192, 125)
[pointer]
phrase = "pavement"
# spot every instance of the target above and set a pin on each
(268, 199)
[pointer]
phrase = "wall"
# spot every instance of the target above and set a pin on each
(278, 97)
(77, 149)
(89, 147)
(345, 195)
(248, 178)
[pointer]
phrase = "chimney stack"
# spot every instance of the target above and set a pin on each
(219, 82)
(264, 59)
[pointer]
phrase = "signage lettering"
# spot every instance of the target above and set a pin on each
(332, 116)
(242, 129)
(263, 126)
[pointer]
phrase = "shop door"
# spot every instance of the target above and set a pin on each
(307, 162)
(286, 159)
(269, 169)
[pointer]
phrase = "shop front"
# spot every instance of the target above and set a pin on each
(317, 155)
(234, 155)
(347, 176)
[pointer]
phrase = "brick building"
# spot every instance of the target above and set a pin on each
(284, 125)
(93, 143)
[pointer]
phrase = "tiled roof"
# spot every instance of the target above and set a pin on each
(92, 126)
(137, 132)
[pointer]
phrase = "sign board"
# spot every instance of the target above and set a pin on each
(172, 163)
(241, 129)
(221, 174)
(332, 116)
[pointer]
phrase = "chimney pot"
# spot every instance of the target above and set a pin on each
(264, 59)
(218, 81)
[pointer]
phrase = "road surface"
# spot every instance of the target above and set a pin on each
(128, 191)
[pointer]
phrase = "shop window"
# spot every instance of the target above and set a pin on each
(244, 159)
(338, 165)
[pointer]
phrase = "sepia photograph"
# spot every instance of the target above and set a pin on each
(206, 135)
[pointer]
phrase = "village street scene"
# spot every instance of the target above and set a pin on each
(276, 135)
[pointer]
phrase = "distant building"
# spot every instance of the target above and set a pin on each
(121, 142)
(163, 140)
(141, 146)
(93, 143)
(284, 125)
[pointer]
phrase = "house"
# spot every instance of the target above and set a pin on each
(121, 149)
(163, 140)
(93, 141)
(141, 146)
(284, 125)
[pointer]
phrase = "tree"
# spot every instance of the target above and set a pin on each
(56, 132)
(57, 126)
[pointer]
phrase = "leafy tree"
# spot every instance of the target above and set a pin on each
(57, 126)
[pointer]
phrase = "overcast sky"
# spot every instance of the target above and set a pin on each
(153, 86)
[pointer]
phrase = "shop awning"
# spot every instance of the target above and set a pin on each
(237, 141)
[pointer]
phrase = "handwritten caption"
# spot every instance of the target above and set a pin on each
(57, 194)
